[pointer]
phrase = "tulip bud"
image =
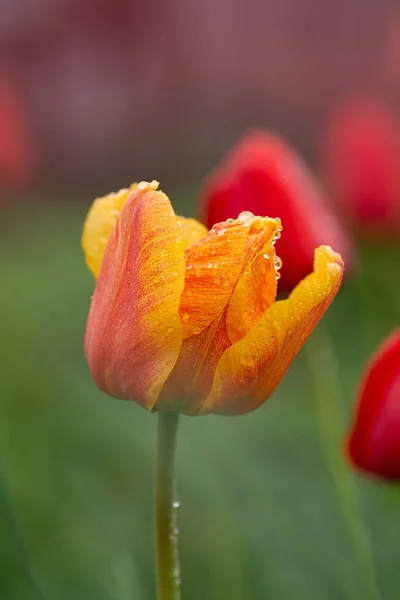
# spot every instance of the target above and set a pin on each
(16, 146)
(360, 161)
(263, 174)
(374, 441)
(185, 319)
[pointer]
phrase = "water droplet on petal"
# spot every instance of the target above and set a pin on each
(185, 317)
(245, 215)
(196, 330)
(277, 263)
(219, 228)
(176, 504)
(266, 256)
(209, 266)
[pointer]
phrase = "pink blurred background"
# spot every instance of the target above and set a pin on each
(121, 90)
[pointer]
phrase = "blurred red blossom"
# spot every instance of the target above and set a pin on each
(16, 142)
(374, 442)
(361, 160)
(262, 173)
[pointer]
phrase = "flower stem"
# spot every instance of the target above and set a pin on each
(168, 570)
(325, 380)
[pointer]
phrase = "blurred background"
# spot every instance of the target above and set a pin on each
(94, 96)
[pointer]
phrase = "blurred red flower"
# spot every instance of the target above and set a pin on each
(374, 442)
(264, 174)
(16, 143)
(360, 160)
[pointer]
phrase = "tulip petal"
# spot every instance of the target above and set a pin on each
(134, 335)
(250, 370)
(192, 231)
(192, 376)
(373, 444)
(214, 265)
(255, 290)
(98, 224)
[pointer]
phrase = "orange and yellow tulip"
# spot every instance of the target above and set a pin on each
(185, 319)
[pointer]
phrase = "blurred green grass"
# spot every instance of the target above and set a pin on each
(259, 516)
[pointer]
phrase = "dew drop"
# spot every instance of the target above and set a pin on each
(196, 329)
(170, 330)
(277, 263)
(209, 266)
(218, 227)
(245, 215)
(189, 266)
(278, 275)
(174, 573)
(225, 283)
(266, 256)
(185, 317)
(176, 504)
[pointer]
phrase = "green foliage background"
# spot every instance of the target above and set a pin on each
(260, 516)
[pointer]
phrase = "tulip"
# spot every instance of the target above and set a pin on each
(263, 174)
(16, 144)
(374, 441)
(360, 161)
(184, 319)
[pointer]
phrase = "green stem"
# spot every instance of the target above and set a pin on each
(325, 378)
(168, 570)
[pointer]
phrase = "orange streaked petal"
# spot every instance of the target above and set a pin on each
(256, 288)
(192, 231)
(134, 334)
(250, 370)
(192, 376)
(98, 224)
(214, 265)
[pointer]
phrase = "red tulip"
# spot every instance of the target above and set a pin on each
(264, 175)
(374, 442)
(16, 148)
(361, 159)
